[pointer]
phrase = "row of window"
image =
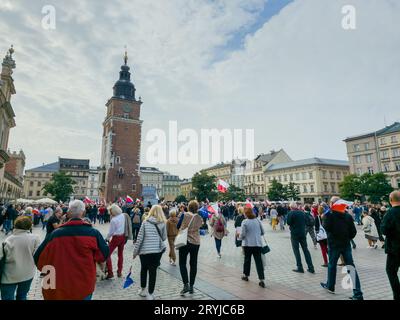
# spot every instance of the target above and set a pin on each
(386, 167)
(255, 178)
(384, 155)
(382, 141)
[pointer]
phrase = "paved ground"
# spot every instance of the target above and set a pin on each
(220, 278)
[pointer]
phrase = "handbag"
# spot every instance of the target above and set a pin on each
(182, 237)
(265, 247)
(2, 261)
(321, 235)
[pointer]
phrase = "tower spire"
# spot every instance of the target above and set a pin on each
(126, 56)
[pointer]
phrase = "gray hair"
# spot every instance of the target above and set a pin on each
(115, 209)
(58, 209)
(76, 208)
(293, 205)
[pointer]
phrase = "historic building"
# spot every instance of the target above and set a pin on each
(316, 179)
(171, 187)
(377, 151)
(36, 178)
(13, 177)
(7, 115)
(122, 127)
(187, 189)
(254, 180)
(151, 177)
(93, 184)
(78, 170)
(220, 171)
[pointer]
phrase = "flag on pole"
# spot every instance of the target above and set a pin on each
(222, 186)
(128, 280)
(88, 200)
(129, 199)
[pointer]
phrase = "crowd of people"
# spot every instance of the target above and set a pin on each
(77, 250)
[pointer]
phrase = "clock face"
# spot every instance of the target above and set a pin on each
(127, 108)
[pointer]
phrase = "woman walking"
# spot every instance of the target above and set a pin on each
(192, 221)
(238, 226)
(149, 247)
(218, 225)
(252, 231)
(136, 222)
(274, 217)
(370, 230)
(19, 268)
(172, 232)
(322, 237)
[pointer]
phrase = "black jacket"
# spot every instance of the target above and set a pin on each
(297, 222)
(340, 229)
(390, 227)
(238, 220)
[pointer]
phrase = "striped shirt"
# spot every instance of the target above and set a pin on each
(148, 240)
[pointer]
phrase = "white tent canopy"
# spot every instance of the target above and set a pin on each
(46, 201)
(23, 201)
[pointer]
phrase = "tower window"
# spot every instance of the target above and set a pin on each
(118, 159)
(126, 115)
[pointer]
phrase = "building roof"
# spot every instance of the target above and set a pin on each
(50, 167)
(150, 170)
(308, 162)
(217, 166)
(395, 127)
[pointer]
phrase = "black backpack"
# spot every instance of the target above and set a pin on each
(310, 220)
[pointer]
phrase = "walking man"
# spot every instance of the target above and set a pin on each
(297, 222)
(341, 230)
(390, 227)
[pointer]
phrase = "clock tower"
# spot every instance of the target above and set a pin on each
(122, 127)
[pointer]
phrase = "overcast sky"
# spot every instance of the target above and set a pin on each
(284, 68)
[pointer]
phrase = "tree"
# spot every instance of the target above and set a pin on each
(234, 193)
(350, 187)
(204, 186)
(181, 198)
(292, 192)
(60, 186)
(277, 191)
(373, 187)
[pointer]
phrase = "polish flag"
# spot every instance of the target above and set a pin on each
(249, 204)
(137, 200)
(213, 208)
(341, 205)
(129, 199)
(222, 186)
(88, 200)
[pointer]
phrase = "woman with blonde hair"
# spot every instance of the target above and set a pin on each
(149, 247)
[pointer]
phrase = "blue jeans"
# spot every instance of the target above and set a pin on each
(22, 288)
(7, 225)
(334, 255)
(218, 243)
(357, 217)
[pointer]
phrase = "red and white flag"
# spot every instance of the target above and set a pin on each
(341, 205)
(222, 186)
(213, 208)
(88, 200)
(129, 199)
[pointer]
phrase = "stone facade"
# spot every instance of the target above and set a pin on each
(122, 129)
(7, 115)
(36, 178)
(152, 177)
(78, 170)
(317, 179)
(187, 189)
(377, 151)
(254, 181)
(171, 187)
(93, 184)
(12, 188)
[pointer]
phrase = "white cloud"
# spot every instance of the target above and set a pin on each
(301, 81)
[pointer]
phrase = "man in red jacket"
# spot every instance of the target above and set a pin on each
(72, 252)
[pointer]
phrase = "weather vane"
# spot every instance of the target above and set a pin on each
(126, 55)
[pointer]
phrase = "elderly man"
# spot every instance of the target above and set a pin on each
(72, 252)
(341, 230)
(120, 231)
(390, 227)
(297, 222)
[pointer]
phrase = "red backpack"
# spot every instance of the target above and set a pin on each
(219, 226)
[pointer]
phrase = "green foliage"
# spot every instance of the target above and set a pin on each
(374, 187)
(292, 192)
(277, 191)
(60, 186)
(233, 193)
(204, 187)
(181, 198)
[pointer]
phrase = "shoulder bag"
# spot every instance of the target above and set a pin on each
(265, 247)
(182, 237)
